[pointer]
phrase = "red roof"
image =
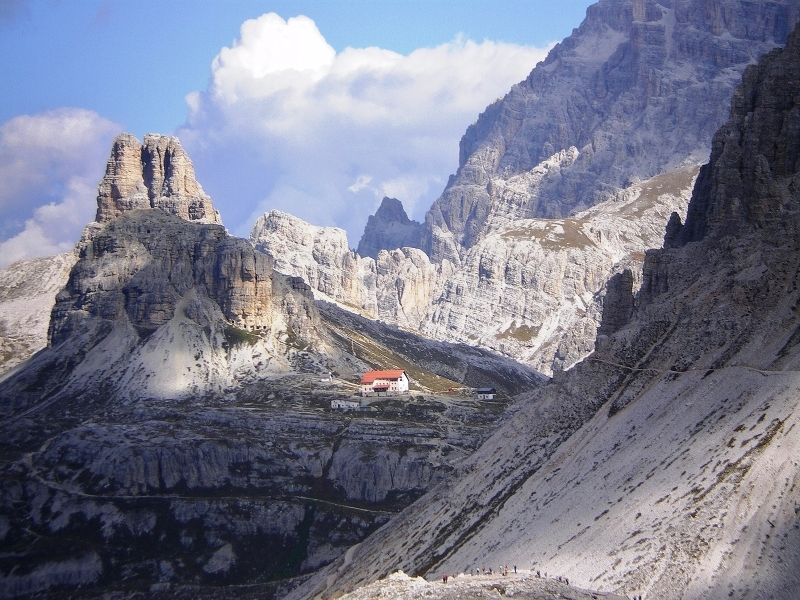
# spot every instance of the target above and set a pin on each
(371, 376)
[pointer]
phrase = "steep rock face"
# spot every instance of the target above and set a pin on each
(397, 287)
(28, 291)
(533, 288)
(388, 229)
(636, 92)
(638, 89)
(750, 180)
(157, 306)
(663, 464)
(156, 174)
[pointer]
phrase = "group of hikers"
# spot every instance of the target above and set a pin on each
(481, 571)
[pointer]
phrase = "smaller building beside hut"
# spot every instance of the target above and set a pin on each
(345, 404)
(384, 383)
(485, 393)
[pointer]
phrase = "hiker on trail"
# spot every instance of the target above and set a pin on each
(444, 578)
(515, 569)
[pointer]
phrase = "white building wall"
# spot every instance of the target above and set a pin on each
(402, 383)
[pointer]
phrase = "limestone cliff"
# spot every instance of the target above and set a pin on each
(638, 89)
(533, 289)
(396, 287)
(663, 465)
(176, 432)
(388, 229)
(156, 174)
(158, 306)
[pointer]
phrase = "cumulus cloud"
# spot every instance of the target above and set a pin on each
(50, 165)
(288, 123)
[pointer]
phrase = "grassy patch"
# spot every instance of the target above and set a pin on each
(673, 183)
(236, 336)
(379, 356)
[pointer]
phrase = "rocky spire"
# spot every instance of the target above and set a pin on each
(156, 174)
(388, 229)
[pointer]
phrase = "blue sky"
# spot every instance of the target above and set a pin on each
(275, 112)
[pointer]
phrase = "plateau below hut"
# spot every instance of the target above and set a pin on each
(386, 383)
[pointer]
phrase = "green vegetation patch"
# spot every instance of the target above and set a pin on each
(236, 336)
(378, 356)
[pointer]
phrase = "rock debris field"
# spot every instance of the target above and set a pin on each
(524, 585)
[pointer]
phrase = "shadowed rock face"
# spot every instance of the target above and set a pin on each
(156, 174)
(664, 464)
(141, 265)
(638, 89)
(389, 229)
(751, 179)
(160, 307)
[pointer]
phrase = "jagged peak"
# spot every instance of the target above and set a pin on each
(391, 209)
(388, 229)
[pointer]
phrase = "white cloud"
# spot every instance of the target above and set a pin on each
(360, 184)
(54, 228)
(50, 165)
(271, 55)
(287, 123)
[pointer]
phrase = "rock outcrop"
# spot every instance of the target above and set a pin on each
(389, 229)
(638, 89)
(396, 287)
(156, 174)
(159, 307)
(258, 484)
(663, 465)
(533, 289)
(563, 183)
